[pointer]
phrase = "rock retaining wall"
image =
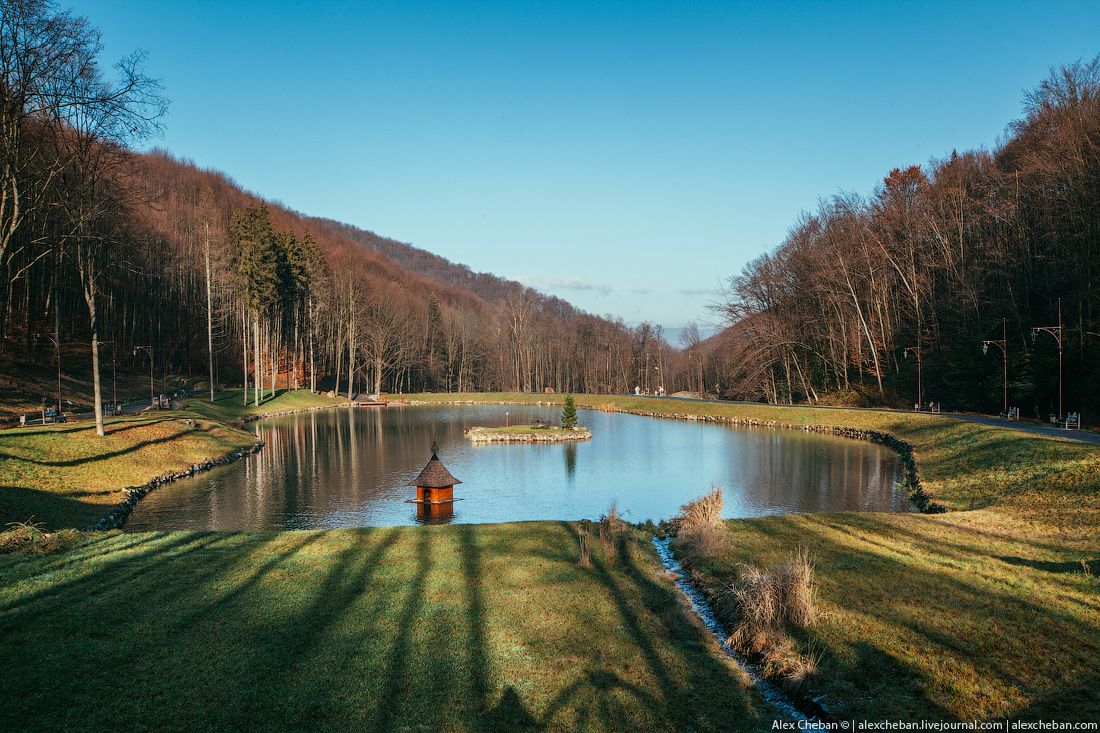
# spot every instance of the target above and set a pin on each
(118, 516)
(133, 494)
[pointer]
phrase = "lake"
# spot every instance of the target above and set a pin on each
(351, 468)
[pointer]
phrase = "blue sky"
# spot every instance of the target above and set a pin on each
(626, 156)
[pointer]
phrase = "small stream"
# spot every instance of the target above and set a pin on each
(706, 614)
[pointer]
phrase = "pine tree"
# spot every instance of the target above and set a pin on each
(255, 259)
(569, 413)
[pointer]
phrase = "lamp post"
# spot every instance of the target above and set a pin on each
(149, 351)
(920, 387)
(56, 340)
(1002, 344)
(1056, 332)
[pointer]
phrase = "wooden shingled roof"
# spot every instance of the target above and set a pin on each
(435, 475)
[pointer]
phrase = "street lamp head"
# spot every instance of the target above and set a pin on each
(1034, 334)
(985, 347)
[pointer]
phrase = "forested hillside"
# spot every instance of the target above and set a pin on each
(144, 256)
(978, 246)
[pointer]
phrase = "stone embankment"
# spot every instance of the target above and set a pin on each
(133, 494)
(548, 435)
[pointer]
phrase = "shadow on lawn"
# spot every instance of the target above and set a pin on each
(373, 629)
(112, 454)
(951, 606)
(1086, 567)
(22, 504)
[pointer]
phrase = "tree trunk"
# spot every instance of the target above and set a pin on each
(244, 354)
(312, 381)
(93, 322)
(351, 342)
(209, 315)
(258, 377)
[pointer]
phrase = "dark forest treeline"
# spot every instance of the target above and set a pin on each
(120, 250)
(976, 247)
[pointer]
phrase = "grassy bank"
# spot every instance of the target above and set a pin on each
(227, 406)
(65, 476)
(989, 611)
(491, 627)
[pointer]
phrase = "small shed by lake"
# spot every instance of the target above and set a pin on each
(435, 484)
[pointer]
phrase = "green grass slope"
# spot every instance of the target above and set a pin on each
(464, 628)
(66, 476)
(986, 612)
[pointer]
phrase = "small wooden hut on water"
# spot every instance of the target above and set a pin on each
(435, 484)
(434, 491)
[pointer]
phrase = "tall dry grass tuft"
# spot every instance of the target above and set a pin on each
(799, 590)
(584, 540)
(610, 534)
(700, 532)
(765, 602)
(783, 661)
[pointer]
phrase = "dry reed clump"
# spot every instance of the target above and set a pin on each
(700, 532)
(610, 533)
(29, 538)
(584, 541)
(783, 661)
(763, 604)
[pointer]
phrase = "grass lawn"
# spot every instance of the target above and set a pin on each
(990, 611)
(488, 627)
(227, 406)
(523, 429)
(65, 476)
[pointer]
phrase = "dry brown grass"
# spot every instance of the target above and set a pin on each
(584, 541)
(610, 533)
(784, 662)
(30, 538)
(763, 603)
(700, 531)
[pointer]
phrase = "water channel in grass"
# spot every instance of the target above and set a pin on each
(352, 467)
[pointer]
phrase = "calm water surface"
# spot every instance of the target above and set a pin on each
(351, 468)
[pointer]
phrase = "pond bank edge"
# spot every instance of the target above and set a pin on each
(910, 480)
(118, 515)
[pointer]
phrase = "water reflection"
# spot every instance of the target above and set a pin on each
(341, 468)
(570, 452)
(435, 513)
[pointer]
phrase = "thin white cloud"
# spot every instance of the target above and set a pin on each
(566, 283)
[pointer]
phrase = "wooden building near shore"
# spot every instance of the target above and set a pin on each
(435, 484)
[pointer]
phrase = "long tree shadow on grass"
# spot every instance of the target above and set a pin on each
(111, 454)
(54, 510)
(947, 612)
(634, 593)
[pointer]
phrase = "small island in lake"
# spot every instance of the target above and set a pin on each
(528, 434)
